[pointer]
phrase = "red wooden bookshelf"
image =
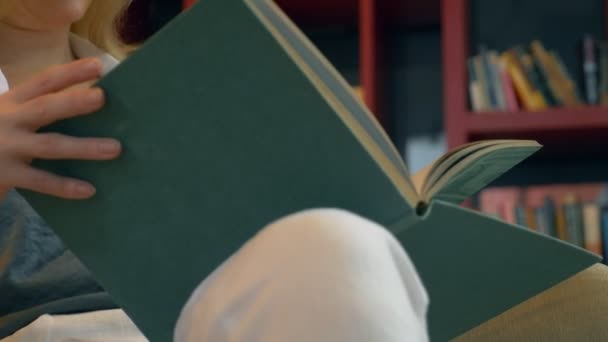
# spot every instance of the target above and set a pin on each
(370, 17)
(573, 125)
(576, 120)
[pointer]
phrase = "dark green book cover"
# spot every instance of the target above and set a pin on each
(229, 120)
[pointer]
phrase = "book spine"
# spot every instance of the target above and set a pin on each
(603, 57)
(358, 90)
(590, 70)
(550, 212)
(561, 229)
(593, 234)
(476, 97)
(501, 201)
(507, 86)
(546, 73)
(574, 220)
(509, 211)
(563, 70)
(530, 99)
(531, 218)
(482, 80)
(475, 91)
(604, 227)
(489, 77)
(533, 74)
(499, 92)
(520, 215)
(542, 221)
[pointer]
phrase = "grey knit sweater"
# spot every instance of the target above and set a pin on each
(37, 274)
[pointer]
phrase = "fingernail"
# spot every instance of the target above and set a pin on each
(95, 95)
(85, 190)
(109, 147)
(93, 65)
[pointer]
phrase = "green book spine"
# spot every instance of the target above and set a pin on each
(604, 228)
(542, 221)
(534, 75)
(545, 80)
(471, 70)
(574, 222)
(551, 215)
(603, 58)
(488, 71)
(520, 215)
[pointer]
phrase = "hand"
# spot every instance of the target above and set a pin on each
(38, 102)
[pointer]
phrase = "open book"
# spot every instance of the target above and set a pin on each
(230, 119)
(465, 170)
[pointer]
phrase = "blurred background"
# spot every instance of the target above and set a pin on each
(439, 74)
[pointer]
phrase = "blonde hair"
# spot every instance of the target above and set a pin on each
(100, 25)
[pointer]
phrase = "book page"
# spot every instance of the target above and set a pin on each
(479, 169)
(450, 159)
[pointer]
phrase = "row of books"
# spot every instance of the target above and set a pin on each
(533, 78)
(575, 213)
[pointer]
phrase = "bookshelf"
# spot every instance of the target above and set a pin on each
(559, 191)
(372, 20)
(553, 127)
(574, 123)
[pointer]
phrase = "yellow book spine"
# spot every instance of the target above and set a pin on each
(561, 229)
(531, 99)
(561, 86)
(359, 92)
(568, 83)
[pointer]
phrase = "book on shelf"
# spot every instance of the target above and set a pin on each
(528, 97)
(358, 90)
(603, 61)
(569, 212)
(590, 69)
(194, 187)
(507, 86)
(534, 78)
(592, 225)
(604, 231)
(531, 69)
(558, 80)
(490, 67)
(476, 89)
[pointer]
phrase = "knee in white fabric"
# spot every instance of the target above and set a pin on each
(319, 274)
(335, 228)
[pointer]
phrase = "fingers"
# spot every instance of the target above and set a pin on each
(38, 102)
(49, 108)
(48, 183)
(58, 146)
(58, 78)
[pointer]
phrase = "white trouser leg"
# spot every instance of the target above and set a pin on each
(319, 275)
(96, 326)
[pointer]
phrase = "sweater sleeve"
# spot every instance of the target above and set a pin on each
(36, 269)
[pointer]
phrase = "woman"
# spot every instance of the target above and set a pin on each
(358, 286)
